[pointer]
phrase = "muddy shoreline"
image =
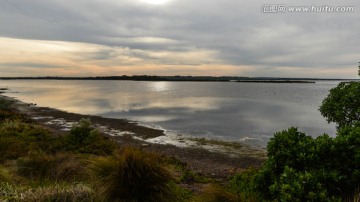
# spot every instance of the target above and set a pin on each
(200, 160)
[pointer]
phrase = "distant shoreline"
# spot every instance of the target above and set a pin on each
(185, 79)
(274, 81)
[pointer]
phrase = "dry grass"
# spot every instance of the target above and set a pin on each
(355, 197)
(56, 192)
(59, 193)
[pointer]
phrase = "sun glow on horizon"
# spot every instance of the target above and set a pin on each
(156, 2)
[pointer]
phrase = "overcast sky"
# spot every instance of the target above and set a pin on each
(177, 37)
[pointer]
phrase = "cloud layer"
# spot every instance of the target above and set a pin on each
(203, 37)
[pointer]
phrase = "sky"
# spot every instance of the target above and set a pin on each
(179, 37)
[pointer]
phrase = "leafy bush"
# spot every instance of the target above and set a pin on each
(347, 159)
(306, 169)
(130, 175)
(86, 139)
(57, 167)
(301, 186)
(342, 105)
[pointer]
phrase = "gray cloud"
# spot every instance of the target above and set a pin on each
(35, 65)
(237, 31)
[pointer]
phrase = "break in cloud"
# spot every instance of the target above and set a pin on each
(179, 37)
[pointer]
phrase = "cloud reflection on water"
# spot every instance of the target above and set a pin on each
(228, 110)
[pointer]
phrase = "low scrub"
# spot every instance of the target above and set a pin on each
(84, 138)
(57, 167)
(18, 138)
(215, 193)
(243, 185)
(131, 175)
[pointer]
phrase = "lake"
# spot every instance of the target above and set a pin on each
(246, 112)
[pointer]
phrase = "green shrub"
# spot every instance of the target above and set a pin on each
(342, 105)
(290, 148)
(57, 167)
(131, 175)
(347, 159)
(86, 139)
(295, 186)
(299, 166)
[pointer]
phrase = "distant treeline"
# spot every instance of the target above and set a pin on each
(181, 78)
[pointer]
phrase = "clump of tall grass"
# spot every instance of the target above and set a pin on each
(131, 175)
(56, 167)
(215, 193)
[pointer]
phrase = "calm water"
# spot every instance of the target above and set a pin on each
(249, 112)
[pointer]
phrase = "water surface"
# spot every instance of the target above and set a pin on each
(249, 112)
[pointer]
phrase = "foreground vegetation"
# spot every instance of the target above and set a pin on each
(84, 165)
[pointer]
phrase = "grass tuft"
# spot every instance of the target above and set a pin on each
(131, 175)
